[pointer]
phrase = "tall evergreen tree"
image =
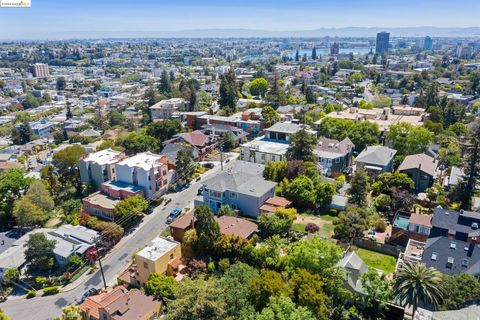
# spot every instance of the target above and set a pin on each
(471, 166)
(297, 56)
(277, 96)
(228, 91)
(314, 54)
(165, 86)
(310, 96)
(208, 230)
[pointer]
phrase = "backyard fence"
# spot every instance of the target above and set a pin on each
(377, 247)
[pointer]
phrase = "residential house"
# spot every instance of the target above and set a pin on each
(99, 167)
(239, 136)
(243, 188)
(408, 226)
(42, 127)
(354, 268)
(376, 159)
(422, 169)
(102, 203)
(120, 304)
(146, 170)
(333, 156)
(156, 257)
(228, 225)
(273, 145)
(71, 240)
(166, 108)
(200, 143)
(452, 246)
(274, 203)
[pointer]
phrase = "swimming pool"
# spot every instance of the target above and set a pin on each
(401, 222)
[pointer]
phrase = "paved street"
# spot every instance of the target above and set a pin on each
(45, 308)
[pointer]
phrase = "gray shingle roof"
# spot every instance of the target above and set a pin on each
(376, 155)
(421, 162)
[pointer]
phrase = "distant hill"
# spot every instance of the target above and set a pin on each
(247, 33)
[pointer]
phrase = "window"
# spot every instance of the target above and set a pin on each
(450, 261)
(233, 195)
(337, 160)
(263, 156)
(465, 263)
(171, 256)
(453, 245)
(145, 265)
(434, 256)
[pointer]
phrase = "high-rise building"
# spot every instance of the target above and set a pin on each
(335, 49)
(383, 39)
(427, 43)
(39, 70)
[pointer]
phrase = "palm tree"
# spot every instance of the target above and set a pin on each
(416, 283)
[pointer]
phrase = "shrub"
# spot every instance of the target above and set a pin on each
(333, 212)
(211, 266)
(40, 280)
(223, 264)
(31, 294)
(50, 290)
(311, 227)
(380, 225)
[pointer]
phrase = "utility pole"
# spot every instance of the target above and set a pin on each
(221, 158)
(103, 275)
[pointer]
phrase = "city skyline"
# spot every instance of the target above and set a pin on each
(50, 19)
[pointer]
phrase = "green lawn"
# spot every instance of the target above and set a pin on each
(298, 227)
(377, 260)
(327, 217)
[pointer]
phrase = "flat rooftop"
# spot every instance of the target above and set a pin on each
(101, 200)
(145, 160)
(158, 248)
(267, 146)
(107, 156)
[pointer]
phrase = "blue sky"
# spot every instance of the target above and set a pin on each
(47, 17)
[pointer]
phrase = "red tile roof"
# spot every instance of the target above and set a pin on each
(278, 201)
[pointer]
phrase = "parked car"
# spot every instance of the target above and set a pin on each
(87, 294)
(174, 214)
(200, 190)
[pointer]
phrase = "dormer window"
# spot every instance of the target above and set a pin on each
(453, 245)
(465, 263)
(434, 256)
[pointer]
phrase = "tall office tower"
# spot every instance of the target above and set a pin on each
(427, 43)
(39, 70)
(335, 49)
(383, 39)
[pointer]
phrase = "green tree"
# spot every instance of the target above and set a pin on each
(136, 142)
(471, 165)
(382, 101)
(308, 291)
(208, 230)
(165, 129)
(184, 165)
(301, 191)
(228, 91)
(301, 146)
(38, 195)
(407, 139)
(310, 96)
(13, 184)
(270, 116)
(416, 284)
(23, 134)
(359, 186)
(267, 284)
(130, 210)
(274, 171)
(61, 83)
(3, 316)
(197, 299)
(228, 141)
(324, 194)
(282, 308)
(27, 214)
(378, 291)
(351, 223)
(277, 223)
(385, 182)
(71, 312)
(165, 86)
(276, 96)
(234, 284)
(259, 87)
(66, 161)
(461, 288)
(226, 210)
(116, 118)
(30, 101)
(363, 134)
(10, 276)
(39, 252)
(334, 128)
(316, 256)
(160, 286)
